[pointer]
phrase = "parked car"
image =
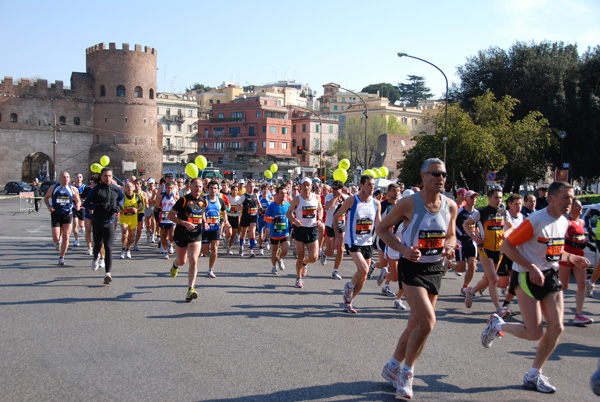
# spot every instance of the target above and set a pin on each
(46, 185)
(15, 187)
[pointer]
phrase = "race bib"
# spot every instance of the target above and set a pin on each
(129, 211)
(280, 224)
(212, 218)
(233, 208)
(252, 211)
(164, 215)
(554, 248)
(195, 216)
(364, 226)
(431, 242)
(495, 223)
(309, 212)
(63, 200)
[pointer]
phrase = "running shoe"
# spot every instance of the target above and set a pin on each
(166, 256)
(211, 274)
(390, 374)
(57, 246)
(274, 270)
(89, 252)
(490, 332)
(261, 252)
(127, 254)
(191, 295)
(539, 382)
(299, 283)
(371, 270)
(241, 251)
(152, 239)
(348, 308)
(280, 264)
(102, 263)
(589, 288)
(463, 292)
(107, 279)
(399, 305)
(122, 255)
(323, 258)
(336, 275)
(135, 247)
(469, 296)
(348, 293)
(252, 255)
(174, 271)
(171, 249)
(510, 310)
(582, 320)
(229, 252)
(268, 246)
(381, 276)
(502, 312)
(595, 382)
(61, 260)
(76, 243)
(387, 291)
(503, 291)
(457, 273)
(95, 264)
(162, 250)
(404, 386)
(304, 271)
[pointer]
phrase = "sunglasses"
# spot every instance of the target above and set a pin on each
(437, 173)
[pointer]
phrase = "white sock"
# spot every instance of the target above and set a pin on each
(393, 363)
(407, 369)
(533, 372)
(498, 326)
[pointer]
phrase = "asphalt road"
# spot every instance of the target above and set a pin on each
(250, 336)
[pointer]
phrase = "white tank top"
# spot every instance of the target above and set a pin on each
(166, 205)
(361, 222)
(306, 211)
(234, 208)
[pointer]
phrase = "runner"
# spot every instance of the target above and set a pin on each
(188, 214)
(249, 203)
(466, 260)
(215, 208)
(87, 214)
(333, 201)
(386, 206)
(128, 218)
(306, 214)
(78, 223)
(233, 217)
(429, 218)
(149, 211)
(279, 230)
(264, 199)
(167, 228)
(61, 199)
(140, 216)
(536, 247)
(363, 216)
(105, 200)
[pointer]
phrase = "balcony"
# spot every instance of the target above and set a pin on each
(173, 148)
(171, 118)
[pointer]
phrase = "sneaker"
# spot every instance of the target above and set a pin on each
(61, 260)
(241, 251)
(128, 254)
(280, 264)
(469, 296)
(348, 308)
(261, 252)
(463, 292)
(539, 382)
(399, 305)
(76, 243)
(268, 246)
(387, 291)
(595, 382)
(404, 386)
(581, 319)
(323, 258)
(95, 264)
(502, 312)
(589, 288)
(299, 283)
(371, 270)
(390, 375)
(348, 293)
(211, 274)
(191, 295)
(457, 273)
(229, 252)
(336, 275)
(510, 310)
(89, 252)
(304, 271)
(503, 291)
(274, 270)
(171, 249)
(57, 245)
(381, 276)
(251, 255)
(162, 250)
(135, 248)
(490, 333)
(107, 279)
(166, 256)
(147, 237)
(152, 239)
(102, 263)
(122, 255)
(174, 271)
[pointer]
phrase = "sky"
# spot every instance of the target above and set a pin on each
(353, 43)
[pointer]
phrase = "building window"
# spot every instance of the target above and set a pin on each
(179, 128)
(317, 127)
(168, 111)
(234, 131)
(304, 128)
(102, 90)
(294, 143)
(125, 119)
(105, 119)
(272, 129)
(264, 129)
(343, 99)
(237, 115)
(234, 145)
(317, 144)
(97, 139)
(264, 144)
(139, 92)
(179, 112)
(342, 107)
(120, 91)
(252, 146)
(284, 145)
(251, 132)
(179, 143)
(189, 128)
(335, 107)
(258, 114)
(404, 120)
(294, 128)
(221, 116)
(62, 120)
(13, 118)
(145, 120)
(284, 130)
(330, 129)
(272, 144)
(303, 157)
(219, 132)
(206, 133)
(168, 127)
(303, 142)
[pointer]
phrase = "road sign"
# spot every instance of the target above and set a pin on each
(491, 183)
(491, 176)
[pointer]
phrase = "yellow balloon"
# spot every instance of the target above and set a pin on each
(201, 162)
(377, 173)
(96, 168)
(344, 164)
(369, 172)
(268, 174)
(274, 168)
(104, 161)
(340, 174)
(384, 171)
(191, 170)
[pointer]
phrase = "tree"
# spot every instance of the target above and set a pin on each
(198, 87)
(385, 90)
(414, 91)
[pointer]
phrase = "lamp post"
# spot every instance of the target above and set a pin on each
(562, 135)
(320, 136)
(366, 117)
(54, 142)
(446, 112)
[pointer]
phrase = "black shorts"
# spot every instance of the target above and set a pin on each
(233, 221)
(505, 266)
(551, 283)
(380, 245)
(210, 235)
(279, 241)
(246, 220)
(496, 256)
(60, 219)
(140, 217)
(330, 233)
(306, 235)
(424, 275)
(183, 237)
(466, 250)
(366, 251)
(78, 214)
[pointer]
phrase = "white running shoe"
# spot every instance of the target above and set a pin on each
(539, 382)
(399, 305)
(95, 264)
(274, 270)
(261, 252)
(128, 254)
(162, 250)
(280, 264)
(381, 276)
(323, 258)
(76, 243)
(211, 274)
(241, 251)
(251, 255)
(391, 375)
(349, 308)
(387, 291)
(122, 256)
(171, 249)
(490, 332)
(268, 246)
(348, 293)
(102, 263)
(229, 252)
(61, 261)
(589, 288)
(404, 387)
(304, 271)
(89, 252)
(135, 247)
(57, 246)
(581, 319)
(166, 256)
(336, 275)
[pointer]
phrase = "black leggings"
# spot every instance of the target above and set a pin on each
(104, 233)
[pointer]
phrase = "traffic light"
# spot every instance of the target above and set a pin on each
(141, 172)
(322, 179)
(299, 149)
(135, 172)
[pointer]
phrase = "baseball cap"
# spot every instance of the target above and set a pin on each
(306, 179)
(151, 180)
(471, 193)
(242, 181)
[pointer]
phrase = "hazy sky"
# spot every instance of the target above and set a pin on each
(352, 43)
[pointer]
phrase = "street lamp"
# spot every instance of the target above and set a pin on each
(54, 142)
(320, 136)
(562, 135)
(446, 113)
(366, 117)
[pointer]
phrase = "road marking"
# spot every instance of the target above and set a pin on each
(38, 230)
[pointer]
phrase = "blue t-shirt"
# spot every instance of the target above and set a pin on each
(279, 225)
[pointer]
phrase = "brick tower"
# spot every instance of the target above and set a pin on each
(124, 114)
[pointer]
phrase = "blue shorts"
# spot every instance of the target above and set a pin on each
(260, 227)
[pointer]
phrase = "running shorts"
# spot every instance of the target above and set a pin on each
(425, 275)
(183, 237)
(57, 220)
(306, 235)
(551, 284)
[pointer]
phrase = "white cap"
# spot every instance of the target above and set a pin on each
(407, 193)
(242, 181)
(151, 180)
(306, 179)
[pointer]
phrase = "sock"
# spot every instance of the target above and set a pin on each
(175, 266)
(252, 244)
(506, 303)
(335, 271)
(350, 285)
(533, 372)
(394, 364)
(407, 369)
(242, 242)
(498, 326)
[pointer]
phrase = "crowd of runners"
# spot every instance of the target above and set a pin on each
(418, 234)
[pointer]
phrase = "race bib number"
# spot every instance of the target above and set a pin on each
(195, 216)
(364, 226)
(554, 248)
(495, 223)
(252, 211)
(63, 200)
(129, 211)
(280, 224)
(579, 238)
(233, 208)
(431, 242)
(212, 219)
(164, 215)
(309, 212)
